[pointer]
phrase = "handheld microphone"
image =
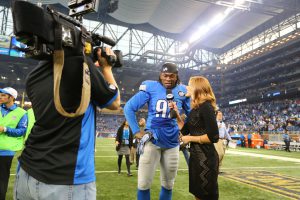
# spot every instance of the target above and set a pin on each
(170, 98)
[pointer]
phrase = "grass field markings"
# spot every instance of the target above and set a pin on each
(105, 150)
(263, 156)
(263, 187)
(260, 188)
(132, 170)
(106, 156)
(255, 168)
(106, 145)
(280, 184)
(186, 169)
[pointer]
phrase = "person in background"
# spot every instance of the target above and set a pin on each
(249, 137)
(142, 125)
(201, 130)
(133, 158)
(242, 138)
(13, 125)
(159, 144)
(224, 137)
(287, 141)
(184, 147)
(123, 145)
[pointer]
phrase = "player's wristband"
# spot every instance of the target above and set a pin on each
(4, 129)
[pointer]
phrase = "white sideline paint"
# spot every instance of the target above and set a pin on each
(227, 168)
(263, 156)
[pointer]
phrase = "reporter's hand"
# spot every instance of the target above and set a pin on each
(172, 105)
(117, 143)
(102, 60)
(185, 139)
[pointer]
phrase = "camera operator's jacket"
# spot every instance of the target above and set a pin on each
(11, 120)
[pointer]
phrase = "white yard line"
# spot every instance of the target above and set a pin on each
(227, 168)
(263, 156)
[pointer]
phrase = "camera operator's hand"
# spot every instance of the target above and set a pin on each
(108, 75)
(102, 60)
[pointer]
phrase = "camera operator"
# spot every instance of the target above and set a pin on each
(58, 159)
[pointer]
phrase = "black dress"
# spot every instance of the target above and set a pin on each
(204, 160)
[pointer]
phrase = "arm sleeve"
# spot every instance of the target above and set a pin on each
(210, 122)
(132, 106)
(187, 105)
(102, 93)
(20, 130)
(185, 129)
(118, 134)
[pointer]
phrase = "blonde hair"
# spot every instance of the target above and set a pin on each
(201, 92)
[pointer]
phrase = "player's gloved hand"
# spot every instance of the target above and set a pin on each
(146, 138)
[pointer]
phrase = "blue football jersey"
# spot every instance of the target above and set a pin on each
(164, 129)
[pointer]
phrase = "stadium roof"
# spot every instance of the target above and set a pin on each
(179, 19)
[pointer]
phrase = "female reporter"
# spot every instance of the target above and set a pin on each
(201, 130)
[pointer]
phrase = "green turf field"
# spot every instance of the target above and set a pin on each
(244, 177)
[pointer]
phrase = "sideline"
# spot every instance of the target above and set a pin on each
(263, 156)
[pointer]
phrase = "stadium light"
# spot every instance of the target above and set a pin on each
(199, 33)
(239, 6)
(218, 19)
(204, 29)
(184, 47)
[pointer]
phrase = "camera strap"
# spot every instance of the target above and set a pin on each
(58, 64)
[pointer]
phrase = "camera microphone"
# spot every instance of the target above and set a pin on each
(170, 98)
(108, 41)
(97, 39)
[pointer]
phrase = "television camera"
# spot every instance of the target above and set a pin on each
(54, 37)
(43, 30)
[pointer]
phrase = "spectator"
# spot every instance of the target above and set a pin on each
(249, 137)
(287, 141)
(242, 138)
(142, 125)
(123, 145)
(184, 147)
(13, 125)
(223, 138)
